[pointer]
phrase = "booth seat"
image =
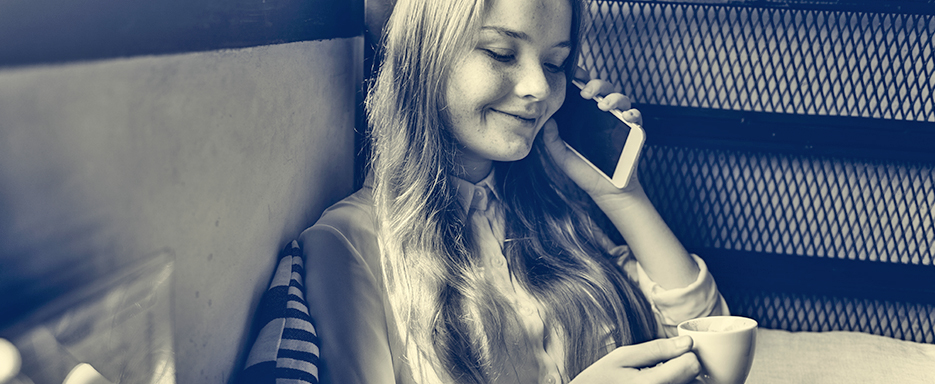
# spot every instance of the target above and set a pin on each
(788, 143)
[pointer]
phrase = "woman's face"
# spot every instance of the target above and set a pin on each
(505, 89)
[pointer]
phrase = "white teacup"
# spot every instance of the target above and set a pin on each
(724, 346)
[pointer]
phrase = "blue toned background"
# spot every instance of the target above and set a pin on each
(203, 128)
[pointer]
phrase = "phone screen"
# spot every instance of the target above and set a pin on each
(597, 135)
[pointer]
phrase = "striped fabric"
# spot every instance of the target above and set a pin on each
(286, 348)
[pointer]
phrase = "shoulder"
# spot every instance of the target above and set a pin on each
(351, 215)
(348, 223)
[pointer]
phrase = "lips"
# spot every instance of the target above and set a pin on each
(523, 117)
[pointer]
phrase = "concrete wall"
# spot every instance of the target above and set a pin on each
(218, 157)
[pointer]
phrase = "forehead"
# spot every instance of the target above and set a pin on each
(546, 20)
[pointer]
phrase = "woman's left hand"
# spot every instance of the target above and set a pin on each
(658, 251)
(583, 174)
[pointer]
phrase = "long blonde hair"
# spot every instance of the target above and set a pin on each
(449, 316)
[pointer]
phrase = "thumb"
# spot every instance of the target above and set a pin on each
(553, 142)
(550, 134)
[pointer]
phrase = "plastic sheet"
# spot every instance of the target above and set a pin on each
(120, 328)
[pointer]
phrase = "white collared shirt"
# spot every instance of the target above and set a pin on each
(347, 298)
(544, 359)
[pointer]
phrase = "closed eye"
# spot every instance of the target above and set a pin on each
(556, 68)
(498, 56)
(558, 61)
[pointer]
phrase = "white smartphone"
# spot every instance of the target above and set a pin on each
(604, 140)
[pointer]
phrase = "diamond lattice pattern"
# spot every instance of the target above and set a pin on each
(764, 59)
(787, 61)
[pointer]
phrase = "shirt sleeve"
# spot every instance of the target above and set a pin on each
(348, 309)
(701, 298)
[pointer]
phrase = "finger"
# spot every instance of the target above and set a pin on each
(552, 140)
(596, 87)
(614, 101)
(633, 115)
(681, 369)
(651, 352)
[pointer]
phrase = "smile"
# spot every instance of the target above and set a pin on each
(528, 119)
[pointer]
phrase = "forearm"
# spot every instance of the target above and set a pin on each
(658, 251)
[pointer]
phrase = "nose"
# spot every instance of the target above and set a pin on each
(532, 83)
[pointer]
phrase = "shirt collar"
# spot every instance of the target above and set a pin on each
(468, 193)
(476, 195)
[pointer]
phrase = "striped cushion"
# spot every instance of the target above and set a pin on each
(286, 348)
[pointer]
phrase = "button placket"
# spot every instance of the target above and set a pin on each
(483, 202)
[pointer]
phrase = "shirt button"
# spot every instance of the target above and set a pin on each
(550, 380)
(498, 261)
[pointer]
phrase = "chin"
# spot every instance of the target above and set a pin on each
(516, 155)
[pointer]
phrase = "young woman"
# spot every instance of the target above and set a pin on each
(473, 253)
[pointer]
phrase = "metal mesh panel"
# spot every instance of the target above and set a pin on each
(807, 62)
(807, 206)
(906, 321)
(797, 205)
(835, 63)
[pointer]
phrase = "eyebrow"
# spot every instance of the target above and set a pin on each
(521, 35)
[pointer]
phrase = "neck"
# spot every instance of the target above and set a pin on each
(474, 174)
(473, 169)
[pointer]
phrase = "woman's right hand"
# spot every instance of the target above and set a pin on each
(657, 361)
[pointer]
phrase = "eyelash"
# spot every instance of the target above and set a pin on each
(498, 57)
(509, 57)
(557, 68)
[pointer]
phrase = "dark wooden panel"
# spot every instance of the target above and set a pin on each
(759, 271)
(50, 31)
(790, 133)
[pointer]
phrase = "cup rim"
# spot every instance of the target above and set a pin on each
(751, 324)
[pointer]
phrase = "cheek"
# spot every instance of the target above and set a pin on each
(474, 82)
(558, 94)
